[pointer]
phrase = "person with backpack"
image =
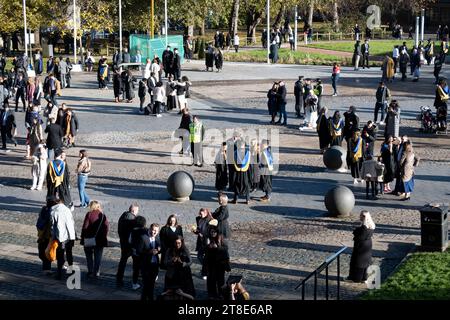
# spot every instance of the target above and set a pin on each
(44, 228)
(126, 224)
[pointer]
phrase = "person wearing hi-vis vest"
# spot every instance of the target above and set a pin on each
(196, 135)
(242, 169)
(266, 170)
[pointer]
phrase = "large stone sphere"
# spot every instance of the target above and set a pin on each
(334, 158)
(180, 185)
(339, 201)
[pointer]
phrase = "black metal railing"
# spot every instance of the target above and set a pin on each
(315, 274)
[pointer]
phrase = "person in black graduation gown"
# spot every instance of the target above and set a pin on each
(323, 130)
(178, 261)
(221, 215)
(362, 248)
(129, 85)
(254, 168)
(221, 168)
(117, 84)
(388, 159)
(266, 170)
(168, 234)
(217, 262)
(58, 178)
(369, 135)
(351, 123)
(231, 143)
(242, 170)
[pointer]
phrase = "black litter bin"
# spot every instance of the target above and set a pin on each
(434, 227)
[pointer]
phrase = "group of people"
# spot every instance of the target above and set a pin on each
(151, 248)
(213, 57)
(401, 58)
(395, 160)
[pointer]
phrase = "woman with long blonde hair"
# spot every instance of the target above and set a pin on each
(362, 248)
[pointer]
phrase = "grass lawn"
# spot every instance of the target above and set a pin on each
(287, 56)
(423, 276)
(377, 47)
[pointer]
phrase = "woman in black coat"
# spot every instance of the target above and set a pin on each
(117, 85)
(387, 156)
(218, 60)
(168, 234)
(362, 248)
(323, 130)
(217, 261)
(178, 261)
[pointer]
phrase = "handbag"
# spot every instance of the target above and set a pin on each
(50, 251)
(90, 242)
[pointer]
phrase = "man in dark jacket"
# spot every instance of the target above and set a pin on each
(382, 95)
(176, 65)
(117, 59)
(365, 54)
(21, 87)
(126, 58)
(281, 101)
(150, 248)
(221, 215)
(167, 60)
(298, 93)
(54, 137)
(127, 222)
(369, 136)
(7, 123)
(351, 123)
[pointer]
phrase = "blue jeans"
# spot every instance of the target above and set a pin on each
(334, 80)
(283, 112)
(93, 258)
(84, 198)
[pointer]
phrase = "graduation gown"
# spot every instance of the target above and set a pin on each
(242, 171)
(117, 85)
(59, 187)
(323, 131)
(221, 172)
(266, 170)
(389, 163)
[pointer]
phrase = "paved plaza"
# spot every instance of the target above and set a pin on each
(274, 245)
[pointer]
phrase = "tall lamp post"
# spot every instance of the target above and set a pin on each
(120, 26)
(25, 25)
(423, 24)
(74, 32)
(165, 22)
(295, 28)
(152, 18)
(268, 31)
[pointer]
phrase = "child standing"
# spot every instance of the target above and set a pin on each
(370, 174)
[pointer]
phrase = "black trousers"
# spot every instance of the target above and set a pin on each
(365, 60)
(5, 135)
(236, 196)
(125, 253)
(378, 107)
(371, 184)
(66, 248)
(20, 94)
(215, 281)
(156, 107)
(46, 264)
(149, 274)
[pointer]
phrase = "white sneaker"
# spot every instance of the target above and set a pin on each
(355, 181)
(136, 286)
(33, 188)
(381, 122)
(204, 277)
(158, 115)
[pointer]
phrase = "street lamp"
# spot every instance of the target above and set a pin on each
(120, 26)
(25, 25)
(165, 22)
(268, 32)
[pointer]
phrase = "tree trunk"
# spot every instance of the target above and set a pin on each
(235, 18)
(277, 21)
(311, 12)
(37, 38)
(190, 30)
(252, 21)
(335, 16)
(202, 28)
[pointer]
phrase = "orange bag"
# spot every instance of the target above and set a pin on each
(50, 252)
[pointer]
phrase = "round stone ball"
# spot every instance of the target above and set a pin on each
(334, 157)
(180, 185)
(339, 201)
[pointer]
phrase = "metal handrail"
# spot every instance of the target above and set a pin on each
(318, 270)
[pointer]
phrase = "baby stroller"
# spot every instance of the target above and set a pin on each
(426, 119)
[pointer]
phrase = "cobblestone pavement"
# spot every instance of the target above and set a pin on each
(273, 245)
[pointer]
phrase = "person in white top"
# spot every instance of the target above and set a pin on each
(155, 68)
(236, 42)
(146, 71)
(159, 94)
(395, 56)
